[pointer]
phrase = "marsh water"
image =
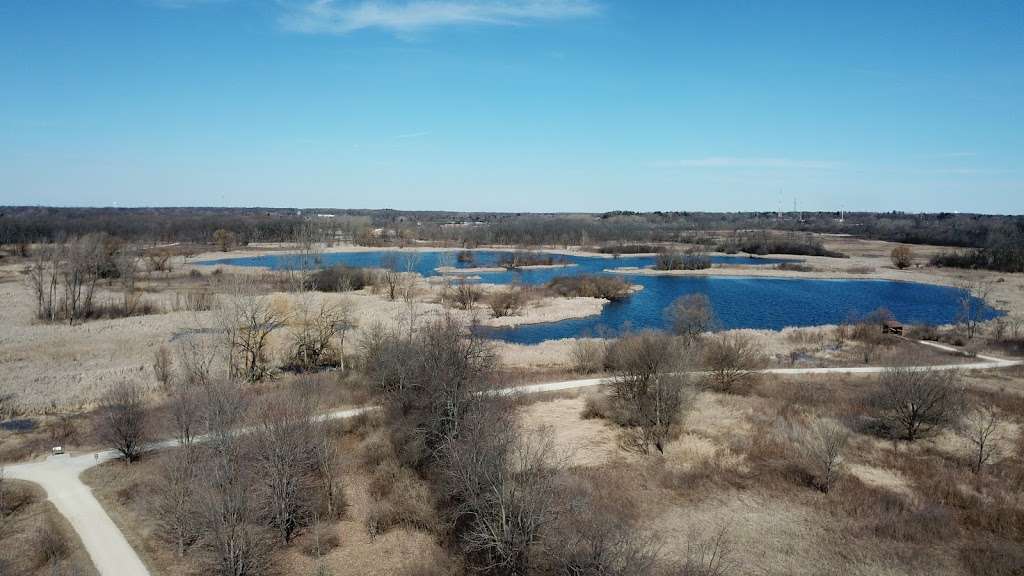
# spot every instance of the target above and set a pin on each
(739, 302)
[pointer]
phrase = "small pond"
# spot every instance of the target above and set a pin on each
(739, 302)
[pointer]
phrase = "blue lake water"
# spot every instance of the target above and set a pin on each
(739, 302)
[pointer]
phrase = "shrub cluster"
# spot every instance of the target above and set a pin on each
(340, 278)
(690, 260)
(762, 243)
(589, 285)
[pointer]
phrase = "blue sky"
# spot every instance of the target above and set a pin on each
(514, 105)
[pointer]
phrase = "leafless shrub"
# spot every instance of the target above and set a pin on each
(902, 257)
(428, 382)
(321, 543)
(123, 420)
(819, 446)
(49, 545)
(597, 405)
(982, 427)
(732, 360)
(599, 534)
(648, 389)
(185, 408)
(688, 260)
(340, 278)
(193, 301)
(126, 263)
(508, 302)
(914, 403)
(503, 488)
(158, 260)
(691, 315)
(465, 294)
(63, 430)
(318, 333)
(14, 498)
(794, 267)
(195, 355)
(400, 499)
(225, 240)
(867, 331)
(163, 366)
(588, 356)
(711, 556)
(608, 287)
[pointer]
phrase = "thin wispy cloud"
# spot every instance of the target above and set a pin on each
(748, 162)
(344, 17)
(412, 135)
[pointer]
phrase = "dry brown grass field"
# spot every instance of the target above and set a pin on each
(895, 509)
(35, 540)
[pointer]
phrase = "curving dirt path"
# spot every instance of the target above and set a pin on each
(113, 556)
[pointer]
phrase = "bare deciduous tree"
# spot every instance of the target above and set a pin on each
(914, 403)
(428, 381)
(185, 409)
(732, 361)
(80, 274)
(195, 356)
(43, 276)
(314, 329)
(123, 419)
(328, 468)
(126, 260)
(971, 298)
(648, 389)
(982, 427)
(174, 498)
(285, 458)
(234, 540)
(390, 276)
(247, 318)
(588, 356)
(307, 257)
(691, 315)
(163, 367)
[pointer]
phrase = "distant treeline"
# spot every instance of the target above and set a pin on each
(985, 241)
